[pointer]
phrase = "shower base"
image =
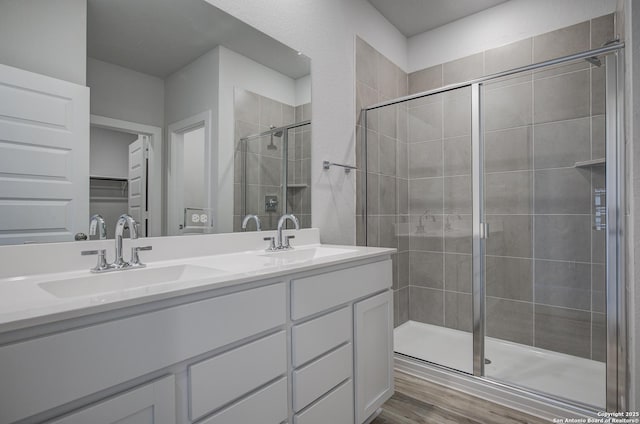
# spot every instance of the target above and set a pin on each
(558, 374)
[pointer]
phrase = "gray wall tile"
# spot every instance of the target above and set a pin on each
(426, 305)
(403, 269)
(388, 121)
(599, 337)
(562, 42)
(508, 107)
(373, 151)
(562, 97)
(563, 191)
(425, 79)
(457, 195)
(598, 288)
(373, 194)
(424, 122)
(509, 192)
(598, 146)
(270, 112)
(426, 269)
(510, 235)
(366, 63)
(402, 187)
(373, 227)
(246, 106)
(387, 232)
(464, 69)
(510, 320)
(403, 305)
(425, 195)
(457, 272)
(602, 30)
(566, 284)
(510, 56)
(457, 311)
(563, 237)
(426, 233)
(598, 90)
(509, 278)
(425, 159)
(562, 143)
(388, 199)
(563, 330)
(387, 77)
(457, 233)
(457, 156)
(387, 159)
(508, 150)
(457, 113)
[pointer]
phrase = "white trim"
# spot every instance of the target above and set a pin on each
(176, 129)
(154, 192)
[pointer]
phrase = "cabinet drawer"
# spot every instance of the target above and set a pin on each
(50, 371)
(311, 295)
(320, 335)
(312, 381)
(335, 408)
(219, 380)
(267, 406)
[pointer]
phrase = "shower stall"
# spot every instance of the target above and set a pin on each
(504, 198)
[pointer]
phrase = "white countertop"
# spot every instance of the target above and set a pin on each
(25, 303)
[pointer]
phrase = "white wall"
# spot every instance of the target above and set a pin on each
(123, 93)
(193, 176)
(325, 31)
(46, 37)
(503, 24)
(109, 153)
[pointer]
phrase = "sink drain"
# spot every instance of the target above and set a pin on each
(487, 361)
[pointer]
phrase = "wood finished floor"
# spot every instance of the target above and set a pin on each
(421, 402)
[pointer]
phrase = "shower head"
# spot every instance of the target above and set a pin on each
(272, 146)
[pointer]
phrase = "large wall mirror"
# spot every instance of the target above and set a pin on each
(173, 112)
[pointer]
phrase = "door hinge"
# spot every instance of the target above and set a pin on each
(484, 230)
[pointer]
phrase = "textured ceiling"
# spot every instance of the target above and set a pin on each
(413, 17)
(158, 37)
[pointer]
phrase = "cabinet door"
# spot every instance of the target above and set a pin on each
(150, 404)
(373, 337)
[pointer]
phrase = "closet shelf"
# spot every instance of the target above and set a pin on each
(589, 163)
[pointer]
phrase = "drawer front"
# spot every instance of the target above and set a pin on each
(312, 381)
(320, 335)
(219, 380)
(53, 370)
(267, 406)
(315, 294)
(335, 408)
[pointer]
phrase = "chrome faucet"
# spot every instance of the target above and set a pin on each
(124, 220)
(96, 223)
(248, 218)
(284, 244)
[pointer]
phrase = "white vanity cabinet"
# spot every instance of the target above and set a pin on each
(343, 345)
(153, 403)
(304, 348)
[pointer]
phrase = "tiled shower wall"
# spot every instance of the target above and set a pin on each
(545, 272)
(378, 79)
(262, 174)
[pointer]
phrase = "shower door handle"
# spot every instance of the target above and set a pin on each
(484, 230)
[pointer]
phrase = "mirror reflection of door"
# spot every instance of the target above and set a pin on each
(118, 171)
(188, 202)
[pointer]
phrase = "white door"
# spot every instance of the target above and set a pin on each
(138, 182)
(150, 404)
(44, 158)
(373, 339)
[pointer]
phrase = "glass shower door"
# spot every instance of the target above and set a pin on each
(544, 191)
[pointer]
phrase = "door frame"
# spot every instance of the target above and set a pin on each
(154, 180)
(175, 133)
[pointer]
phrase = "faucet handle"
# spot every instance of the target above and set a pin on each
(285, 244)
(272, 243)
(135, 259)
(102, 264)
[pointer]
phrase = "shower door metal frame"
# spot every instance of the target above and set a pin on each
(616, 359)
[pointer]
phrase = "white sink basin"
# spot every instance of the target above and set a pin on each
(302, 255)
(128, 279)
